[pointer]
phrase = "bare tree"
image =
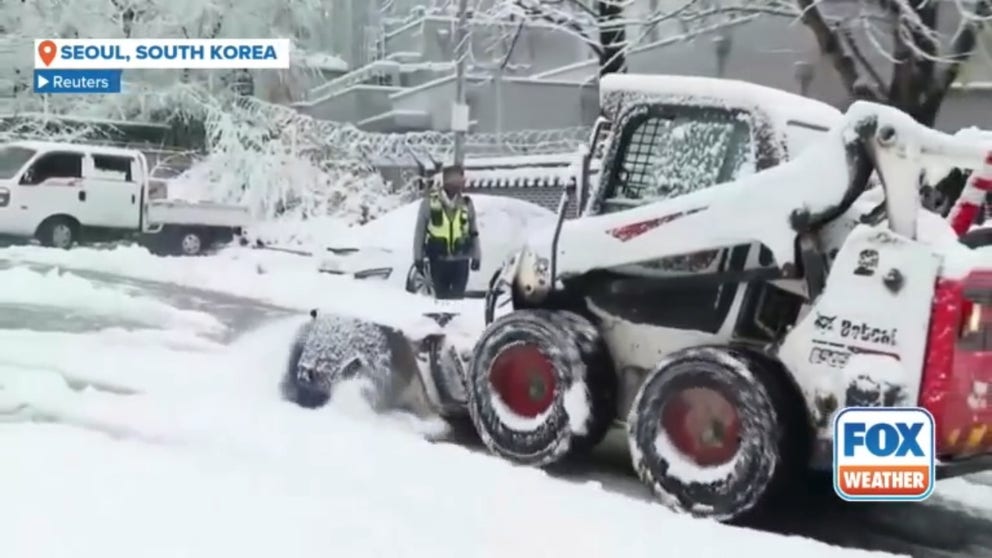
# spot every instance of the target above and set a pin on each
(920, 61)
(611, 28)
(907, 53)
(599, 23)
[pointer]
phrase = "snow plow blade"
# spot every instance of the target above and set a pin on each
(422, 374)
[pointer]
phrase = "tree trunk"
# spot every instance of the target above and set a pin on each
(612, 37)
(922, 75)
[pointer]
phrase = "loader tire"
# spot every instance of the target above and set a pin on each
(541, 386)
(713, 434)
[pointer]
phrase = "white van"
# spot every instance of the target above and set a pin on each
(67, 193)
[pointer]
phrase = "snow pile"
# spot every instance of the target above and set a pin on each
(179, 447)
(221, 470)
(280, 164)
(305, 235)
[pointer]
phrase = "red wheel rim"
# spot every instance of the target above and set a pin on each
(524, 379)
(704, 425)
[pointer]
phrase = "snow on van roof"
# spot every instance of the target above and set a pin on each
(84, 147)
(780, 105)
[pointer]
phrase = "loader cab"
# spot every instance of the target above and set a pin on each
(663, 151)
(668, 136)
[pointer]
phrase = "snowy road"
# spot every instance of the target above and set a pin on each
(238, 315)
(955, 523)
(149, 406)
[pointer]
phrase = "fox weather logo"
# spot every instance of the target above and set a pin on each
(884, 454)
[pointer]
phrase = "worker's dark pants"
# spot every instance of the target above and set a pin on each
(449, 277)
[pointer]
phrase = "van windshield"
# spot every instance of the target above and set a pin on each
(13, 159)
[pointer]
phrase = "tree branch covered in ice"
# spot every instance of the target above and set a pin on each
(902, 52)
(611, 28)
(898, 51)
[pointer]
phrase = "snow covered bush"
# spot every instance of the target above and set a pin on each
(279, 163)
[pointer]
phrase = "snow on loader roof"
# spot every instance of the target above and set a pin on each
(780, 105)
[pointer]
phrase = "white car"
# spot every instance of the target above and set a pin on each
(382, 249)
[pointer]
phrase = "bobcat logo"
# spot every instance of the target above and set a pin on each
(824, 323)
(867, 263)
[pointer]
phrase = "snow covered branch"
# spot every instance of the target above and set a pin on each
(604, 25)
(906, 35)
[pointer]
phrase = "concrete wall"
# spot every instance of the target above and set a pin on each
(433, 98)
(539, 48)
(525, 104)
(351, 105)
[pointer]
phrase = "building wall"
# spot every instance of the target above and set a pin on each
(524, 104)
(353, 105)
(768, 50)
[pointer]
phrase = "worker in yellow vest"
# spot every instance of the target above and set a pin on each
(446, 237)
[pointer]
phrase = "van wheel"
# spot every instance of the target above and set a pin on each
(58, 232)
(190, 242)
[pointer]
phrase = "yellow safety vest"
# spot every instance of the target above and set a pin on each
(451, 230)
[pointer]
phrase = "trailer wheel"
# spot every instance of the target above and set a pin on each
(709, 433)
(541, 386)
(58, 232)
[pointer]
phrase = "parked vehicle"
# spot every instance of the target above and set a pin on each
(66, 193)
(382, 249)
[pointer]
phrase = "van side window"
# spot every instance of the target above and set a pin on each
(54, 165)
(110, 167)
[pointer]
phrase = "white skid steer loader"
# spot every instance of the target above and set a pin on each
(724, 326)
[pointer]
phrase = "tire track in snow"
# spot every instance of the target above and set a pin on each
(941, 529)
(936, 529)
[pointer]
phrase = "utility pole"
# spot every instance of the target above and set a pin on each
(459, 109)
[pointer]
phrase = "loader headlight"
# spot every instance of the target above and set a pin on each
(533, 277)
(973, 322)
(542, 266)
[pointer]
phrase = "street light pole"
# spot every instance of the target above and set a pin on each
(459, 109)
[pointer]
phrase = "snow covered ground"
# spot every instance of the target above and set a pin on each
(148, 425)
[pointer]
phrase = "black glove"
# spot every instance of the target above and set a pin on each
(419, 266)
(475, 264)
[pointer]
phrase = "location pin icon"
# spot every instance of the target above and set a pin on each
(46, 51)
